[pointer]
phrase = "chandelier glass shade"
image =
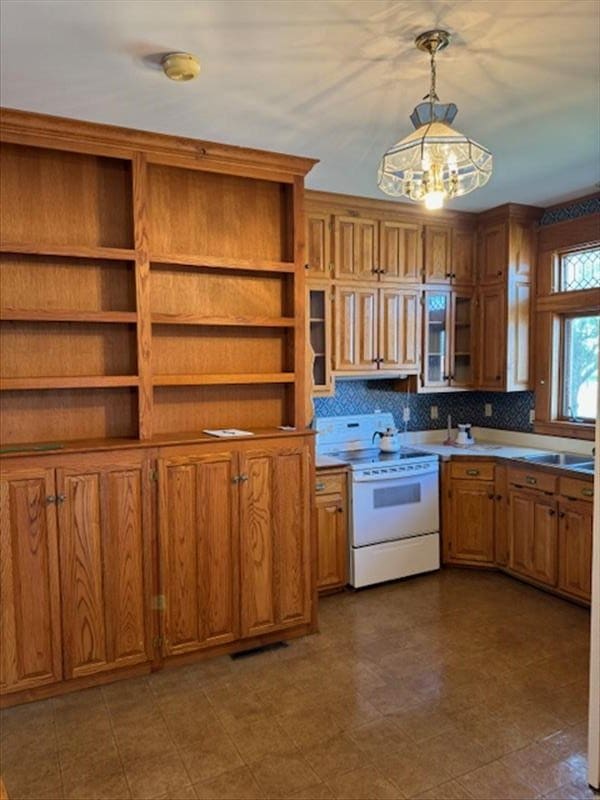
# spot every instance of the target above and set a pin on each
(435, 161)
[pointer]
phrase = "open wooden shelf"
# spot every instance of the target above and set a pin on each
(68, 382)
(254, 322)
(218, 379)
(66, 315)
(68, 251)
(218, 262)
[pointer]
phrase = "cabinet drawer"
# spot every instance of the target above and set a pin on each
(532, 479)
(328, 483)
(579, 490)
(472, 470)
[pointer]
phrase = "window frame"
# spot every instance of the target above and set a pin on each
(552, 309)
(561, 388)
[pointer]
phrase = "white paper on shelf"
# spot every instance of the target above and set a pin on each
(224, 433)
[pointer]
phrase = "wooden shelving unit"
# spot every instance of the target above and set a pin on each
(149, 285)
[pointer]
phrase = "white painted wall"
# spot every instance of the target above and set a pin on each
(594, 710)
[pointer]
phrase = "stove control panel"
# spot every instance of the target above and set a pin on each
(402, 470)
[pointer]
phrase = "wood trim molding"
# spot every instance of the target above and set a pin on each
(559, 427)
(25, 127)
(351, 205)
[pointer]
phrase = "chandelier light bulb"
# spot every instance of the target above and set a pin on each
(435, 161)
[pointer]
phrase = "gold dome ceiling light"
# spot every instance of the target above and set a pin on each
(434, 162)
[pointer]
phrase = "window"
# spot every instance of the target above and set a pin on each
(579, 368)
(579, 269)
(567, 332)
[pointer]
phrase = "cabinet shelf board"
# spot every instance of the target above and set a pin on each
(222, 262)
(254, 322)
(66, 315)
(107, 253)
(215, 379)
(68, 382)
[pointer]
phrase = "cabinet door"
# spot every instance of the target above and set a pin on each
(463, 256)
(198, 535)
(355, 315)
(319, 336)
(462, 340)
(491, 340)
(438, 253)
(332, 541)
(521, 522)
(105, 563)
(318, 245)
(472, 521)
(399, 329)
(401, 252)
(356, 248)
(493, 253)
(275, 538)
(436, 361)
(575, 549)
(30, 643)
(534, 536)
(544, 562)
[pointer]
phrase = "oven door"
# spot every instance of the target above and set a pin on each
(397, 507)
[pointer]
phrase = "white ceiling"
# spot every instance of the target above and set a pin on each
(332, 79)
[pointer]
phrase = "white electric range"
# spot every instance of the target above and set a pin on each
(394, 500)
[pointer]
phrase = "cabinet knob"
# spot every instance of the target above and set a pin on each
(587, 492)
(561, 514)
(551, 512)
(531, 481)
(498, 497)
(340, 510)
(448, 275)
(498, 377)
(243, 478)
(319, 486)
(472, 472)
(307, 266)
(490, 496)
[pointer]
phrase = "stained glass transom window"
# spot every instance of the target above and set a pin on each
(580, 270)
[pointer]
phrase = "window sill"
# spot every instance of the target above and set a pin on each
(559, 427)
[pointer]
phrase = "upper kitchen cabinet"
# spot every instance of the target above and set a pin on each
(507, 252)
(376, 329)
(356, 248)
(447, 340)
(449, 254)
(318, 245)
(400, 252)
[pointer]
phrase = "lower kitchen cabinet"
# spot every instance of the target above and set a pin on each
(575, 548)
(275, 538)
(533, 525)
(30, 650)
(235, 543)
(199, 549)
(332, 530)
(105, 562)
(471, 534)
(114, 560)
(492, 518)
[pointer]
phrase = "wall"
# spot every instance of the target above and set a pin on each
(510, 411)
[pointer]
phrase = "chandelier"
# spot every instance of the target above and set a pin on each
(434, 162)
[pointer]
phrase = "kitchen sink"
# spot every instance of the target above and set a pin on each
(560, 459)
(587, 466)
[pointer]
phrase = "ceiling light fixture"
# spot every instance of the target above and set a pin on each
(180, 66)
(434, 162)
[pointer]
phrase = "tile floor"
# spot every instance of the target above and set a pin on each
(452, 685)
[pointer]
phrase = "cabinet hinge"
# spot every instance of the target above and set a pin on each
(159, 602)
(422, 298)
(153, 474)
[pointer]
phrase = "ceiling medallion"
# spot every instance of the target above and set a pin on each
(434, 162)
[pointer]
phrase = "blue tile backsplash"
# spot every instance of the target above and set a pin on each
(510, 410)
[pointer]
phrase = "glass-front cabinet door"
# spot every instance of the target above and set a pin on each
(436, 367)
(461, 373)
(319, 336)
